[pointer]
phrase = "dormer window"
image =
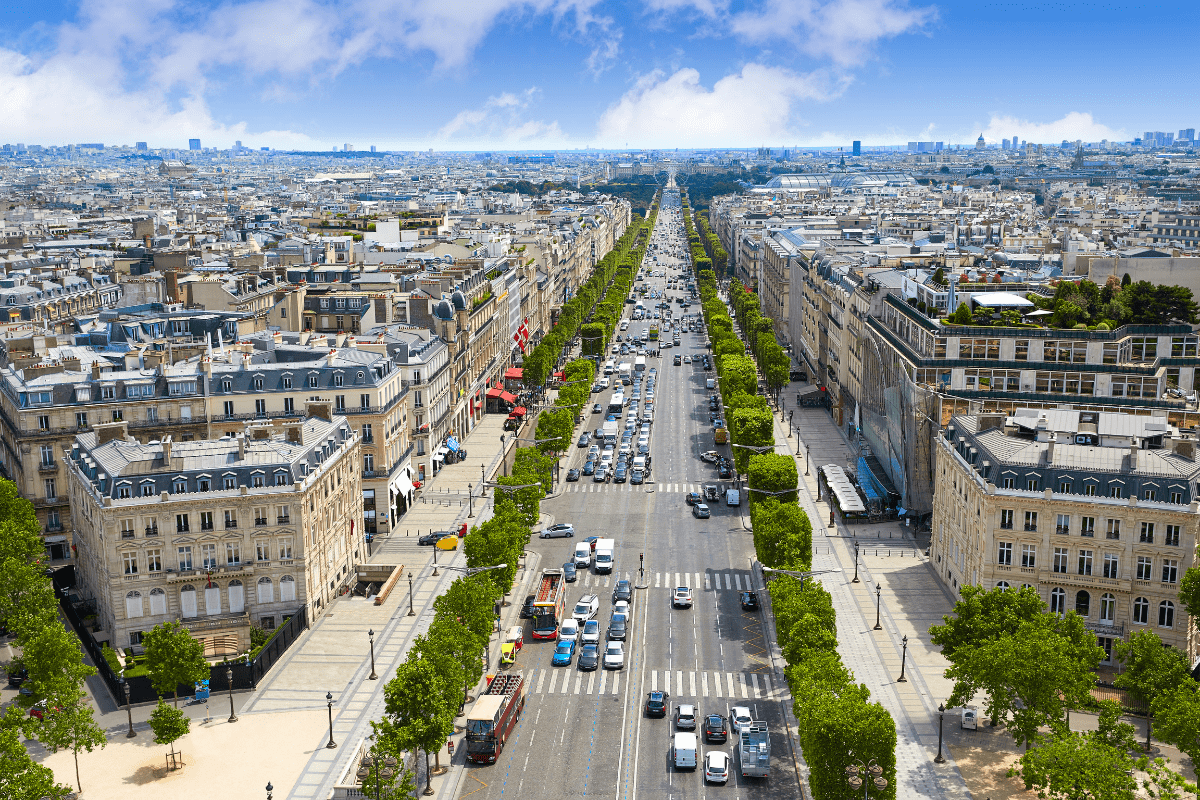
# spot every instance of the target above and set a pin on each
(258, 383)
(226, 385)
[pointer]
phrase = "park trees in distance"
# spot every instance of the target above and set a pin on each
(174, 658)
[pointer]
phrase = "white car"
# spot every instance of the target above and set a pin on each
(614, 655)
(621, 607)
(716, 766)
(569, 629)
(586, 608)
(739, 717)
(682, 597)
(591, 632)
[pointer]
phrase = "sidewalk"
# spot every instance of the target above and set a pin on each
(912, 599)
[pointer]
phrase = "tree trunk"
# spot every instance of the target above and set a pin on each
(78, 784)
(1148, 727)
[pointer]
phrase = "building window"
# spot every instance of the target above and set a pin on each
(185, 558)
(1148, 494)
(368, 462)
(367, 434)
(1033, 484)
(1006, 519)
(312, 381)
(226, 385)
(1085, 562)
(1058, 601)
(1008, 483)
(289, 405)
(51, 487)
(1064, 487)
(43, 422)
(260, 407)
(1087, 526)
(285, 548)
(233, 554)
(1003, 586)
(206, 521)
(130, 560)
(231, 519)
(124, 492)
(154, 560)
(1113, 530)
(1166, 614)
(258, 384)
(181, 523)
(1031, 520)
(337, 379)
(1028, 556)
(1147, 534)
(47, 455)
(1111, 564)
(1089, 490)
(283, 515)
(262, 550)
(1177, 498)
(1114, 491)
(81, 419)
(1171, 536)
(258, 481)
(1004, 556)
(208, 556)
(1141, 611)
(1145, 567)
(281, 479)
(1083, 604)
(1170, 570)
(1060, 559)
(204, 485)
(1063, 524)
(339, 402)
(127, 528)
(1108, 608)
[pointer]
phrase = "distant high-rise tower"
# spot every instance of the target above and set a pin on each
(980, 143)
(140, 146)
(193, 144)
(858, 148)
(1187, 133)
(347, 148)
(1015, 145)
(372, 148)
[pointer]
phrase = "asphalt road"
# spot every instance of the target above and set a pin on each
(586, 733)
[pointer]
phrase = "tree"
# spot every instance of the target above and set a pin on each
(772, 472)
(388, 778)
(983, 615)
(1151, 669)
(1177, 716)
(1035, 674)
(418, 717)
(524, 503)
(174, 658)
(750, 428)
(961, 315)
(737, 375)
(22, 778)
(67, 724)
(500, 540)
(530, 465)
(1189, 591)
(782, 535)
(26, 595)
(462, 646)
(453, 675)
(1158, 305)
(169, 725)
(557, 425)
(469, 602)
(807, 638)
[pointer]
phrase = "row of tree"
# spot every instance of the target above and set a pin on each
(759, 331)
(718, 259)
(1033, 667)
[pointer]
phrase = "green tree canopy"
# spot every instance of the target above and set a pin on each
(782, 535)
(773, 472)
(68, 723)
(469, 602)
(22, 778)
(983, 615)
(961, 316)
(418, 715)
(169, 724)
(557, 425)
(500, 540)
(173, 658)
(750, 428)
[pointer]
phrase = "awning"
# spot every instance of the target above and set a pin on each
(839, 484)
(494, 392)
(402, 485)
(508, 398)
(514, 373)
(558, 374)
(54, 539)
(519, 411)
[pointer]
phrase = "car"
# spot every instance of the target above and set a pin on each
(656, 704)
(572, 475)
(591, 631)
(620, 473)
(682, 597)
(739, 717)
(586, 608)
(614, 655)
(561, 530)
(621, 607)
(599, 434)
(678, 360)
(692, 498)
(623, 590)
(583, 440)
(589, 657)
(568, 629)
(589, 467)
(597, 409)
(711, 492)
(433, 537)
(601, 474)
(569, 572)
(724, 471)
(714, 728)
(527, 608)
(716, 766)
(687, 359)
(749, 601)
(563, 652)
(591, 540)
(700, 511)
(685, 717)
(636, 477)
(618, 626)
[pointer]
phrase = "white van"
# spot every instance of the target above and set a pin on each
(683, 750)
(710, 383)
(608, 367)
(733, 497)
(583, 555)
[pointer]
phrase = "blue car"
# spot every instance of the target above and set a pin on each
(589, 468)
(563, 653)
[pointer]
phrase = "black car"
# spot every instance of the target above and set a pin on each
(589, 468)
(692, 498)
(572, 475)
(433, 536)
(715, 729)
(620, 473)
(724, 471)
(617, 628)
(749, 601)
(657, 703)
(589, 657)
(527, 608)
(623, 591)
(569, 573)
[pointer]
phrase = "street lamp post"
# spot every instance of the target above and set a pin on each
(270, 789)
(483, 471)
(411, 613)
(878, 589)
(903, 658)
(329, 701)
(128, 709)
(371, 637)
(470, 501)
(858, 773)
(940, 759)
(800, 575)
(855, 561)
(229, 682)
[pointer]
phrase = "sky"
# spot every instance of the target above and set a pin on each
(564, 74)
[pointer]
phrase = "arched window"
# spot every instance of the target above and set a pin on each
(1108, 608)
(1028, 586)
(266, 590)
(1058, 602)
(1083, 604)
(237, 597)
(133, 605)
(158, 602)
(287, 588)
(1166, 614)
(1003, 586)
(187, 601)
(1141, 611)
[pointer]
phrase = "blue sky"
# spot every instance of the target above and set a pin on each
(532, 74)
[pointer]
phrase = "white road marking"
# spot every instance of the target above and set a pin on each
(678, 580)
(704, 684)
(553, 681)
(742, 684)
(541, 681)
(654, 680)
(692, 684)
(578, 682)
(603, 678)
(678, 682)
(657, 579)
(737, 579)
(728, 585)
(770, 688)
(754, 680)
(729, 680)
(616, 681)
(697, 583)
(707, 582)
(591, 682)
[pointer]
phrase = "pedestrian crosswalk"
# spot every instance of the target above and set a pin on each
(679, 682)
(729, 581)
(586, 485)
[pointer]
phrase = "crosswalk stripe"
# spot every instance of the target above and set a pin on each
(727, 584)
(742, 684)
(677, 581)
(657, 580)
(603, 679)
(692, 684)
(553, 680)
(578, 682)
(541, 681)
(754, 680)
(678, 682)
(606, 580)
(654, 680)
(717, 684)
(737, 579)
(729, 680)
(704, 683)
(697, 583)
(770, 688)
(707, 582)
(616, 682)
(591, 682)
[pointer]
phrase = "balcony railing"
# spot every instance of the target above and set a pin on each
(1031, 526)
(1113, 536)
(284, 520)
(258, 521)
(216, 622)
(1063, 529)
(230, 523)
(152, 530)
(48, 467)
(1008, 526)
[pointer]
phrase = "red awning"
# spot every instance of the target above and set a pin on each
(558, 374)
(508, 398)
(519, 411)
(514, 373)
(494, 392)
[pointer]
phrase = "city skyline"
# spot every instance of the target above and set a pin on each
(568, 74)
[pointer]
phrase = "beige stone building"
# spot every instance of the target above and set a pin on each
(1098, 511)
(219, 534)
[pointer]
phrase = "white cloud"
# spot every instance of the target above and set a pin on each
(501, 122)
(746, 108)
(1075, 125)
(604, 54)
